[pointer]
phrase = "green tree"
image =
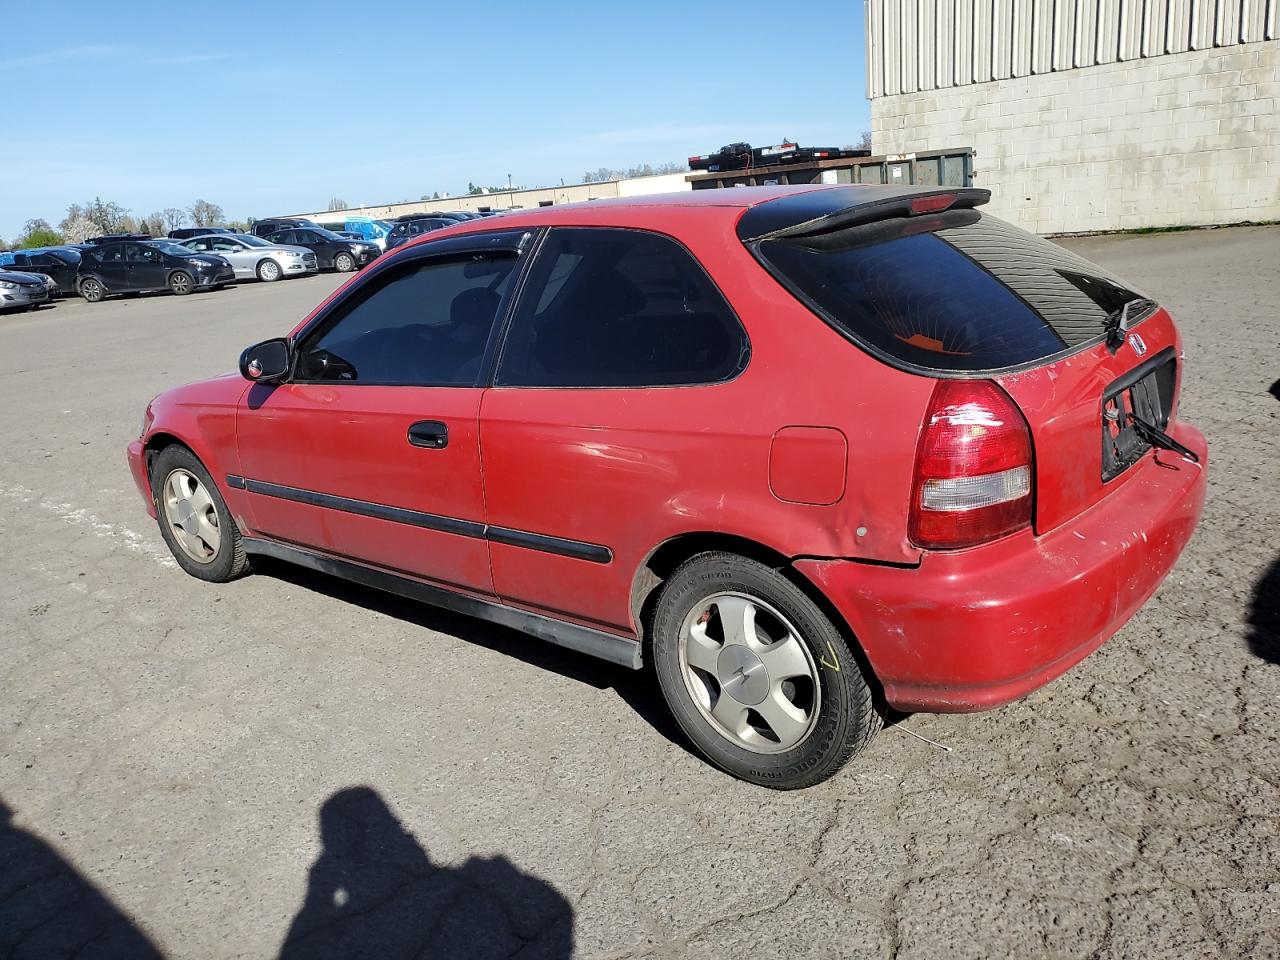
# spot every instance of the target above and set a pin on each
(37, 233)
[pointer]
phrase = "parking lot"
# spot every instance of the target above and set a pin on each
(293, 766)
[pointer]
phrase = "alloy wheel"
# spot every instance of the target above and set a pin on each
(749, 673)
(191, 516)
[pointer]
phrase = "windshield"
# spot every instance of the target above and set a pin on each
(250, 240)
(171, 248)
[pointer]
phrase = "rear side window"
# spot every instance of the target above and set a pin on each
(962, 292)
(620, 308)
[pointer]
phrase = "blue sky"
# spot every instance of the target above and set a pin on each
(268, 107)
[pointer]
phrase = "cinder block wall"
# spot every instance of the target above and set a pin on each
(1186, 138)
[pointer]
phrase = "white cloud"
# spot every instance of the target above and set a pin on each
(63, 55)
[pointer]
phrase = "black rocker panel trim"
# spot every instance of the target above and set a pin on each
(607, 646)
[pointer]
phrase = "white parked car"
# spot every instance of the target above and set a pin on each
(252, 257)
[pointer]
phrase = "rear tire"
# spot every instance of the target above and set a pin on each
(92, 290)
(344, 263)
(269, 271)
(757, 676)
(194, 520)
(181, 283)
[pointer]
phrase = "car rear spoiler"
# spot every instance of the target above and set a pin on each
(822, 211)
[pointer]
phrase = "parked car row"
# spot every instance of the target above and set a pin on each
(205, 258)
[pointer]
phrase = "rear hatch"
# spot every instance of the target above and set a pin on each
(933, 286)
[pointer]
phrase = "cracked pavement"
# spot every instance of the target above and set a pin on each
(292, 766)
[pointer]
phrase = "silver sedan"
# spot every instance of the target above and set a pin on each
(23, 291)
(252, 257)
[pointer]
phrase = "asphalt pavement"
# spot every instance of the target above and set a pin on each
(289, 766)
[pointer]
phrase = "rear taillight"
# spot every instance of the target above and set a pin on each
(974, 471)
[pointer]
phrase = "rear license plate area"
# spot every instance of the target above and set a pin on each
(1145, 392)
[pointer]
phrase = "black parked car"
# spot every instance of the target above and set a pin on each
(265, 228)
(60, 264)
(186, 233)
(407, 229)
(332, 251)
(136, 267)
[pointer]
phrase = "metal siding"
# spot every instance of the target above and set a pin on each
(910, 46)
(1041, 36)
(892, 19)
(982, 39)
(1024, 40)
(1064, 34)
(875, 48)
(1226, 29)
(1271, 19)
(1131, 29)
(1153, 28)
(1177, 27)
(1086, 33)
(964, 41)
(1253, 14)
(946, 63)
(1001, 34)
(1203, 15)
(1108, 42)
(928, 29)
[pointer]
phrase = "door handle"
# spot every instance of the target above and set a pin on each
(431, 434)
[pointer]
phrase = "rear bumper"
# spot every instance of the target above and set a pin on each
(978, 628)
(138, 468)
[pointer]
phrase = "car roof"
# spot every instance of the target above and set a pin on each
(764, 210)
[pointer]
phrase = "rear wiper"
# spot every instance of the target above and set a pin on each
(1117, 322)
(1158, 438)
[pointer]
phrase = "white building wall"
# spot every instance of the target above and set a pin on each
(934, 44)
(1172, 139)
(571, 193)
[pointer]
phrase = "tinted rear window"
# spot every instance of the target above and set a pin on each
(961, 292)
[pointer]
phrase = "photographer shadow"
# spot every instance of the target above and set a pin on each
(374, 892)
(49, 909)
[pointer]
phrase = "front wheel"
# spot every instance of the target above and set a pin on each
(92, 290)
(344, 263)
(269, 271)
(757, 676)
(181, 283)
(194, 520)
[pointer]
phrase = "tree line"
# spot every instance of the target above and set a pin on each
(97, 217)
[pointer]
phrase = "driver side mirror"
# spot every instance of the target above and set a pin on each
(267, 362)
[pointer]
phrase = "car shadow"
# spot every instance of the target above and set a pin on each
(374, 892)
(1263, 638)
(638, 689)
(47, 909)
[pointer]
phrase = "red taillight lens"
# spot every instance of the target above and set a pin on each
(974, 471)
(933, 203)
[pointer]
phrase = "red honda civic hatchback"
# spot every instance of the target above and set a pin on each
(813, 451)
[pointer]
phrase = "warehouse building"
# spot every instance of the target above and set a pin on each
(1088, 114)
